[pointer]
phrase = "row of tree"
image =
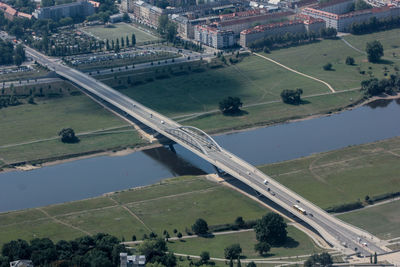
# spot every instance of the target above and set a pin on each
(374, 25)
(100, 250)
(292, 39)
(117, 45)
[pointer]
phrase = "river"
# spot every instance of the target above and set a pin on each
(91, 177)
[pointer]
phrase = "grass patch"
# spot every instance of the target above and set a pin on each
(120, 30)
(160, 206)
(382, 220)
(32, 74)
(253, 80)
(309, 59)
(27, 123)
(342, 176)
(299, 244)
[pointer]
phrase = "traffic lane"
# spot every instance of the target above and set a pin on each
(329, 226)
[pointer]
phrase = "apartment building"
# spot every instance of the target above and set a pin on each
(210, 35)
(82, 8)
(280, 28)
(10, 13)
(335, 16)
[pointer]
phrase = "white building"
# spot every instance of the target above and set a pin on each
(213, 37)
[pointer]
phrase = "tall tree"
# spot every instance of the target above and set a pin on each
(374, 51)
(133, 39)
(200, 227)
(271, 229)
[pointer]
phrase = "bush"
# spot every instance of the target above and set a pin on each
(230, 105)
(327, 66)
(232, 251)
(292, 96)
(68, 136)
(345, 207)
(349, 61)
(200, 227)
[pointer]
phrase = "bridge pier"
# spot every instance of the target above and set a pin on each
(172, 148)
(218, 171)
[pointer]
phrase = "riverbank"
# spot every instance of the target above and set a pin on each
(124, 150)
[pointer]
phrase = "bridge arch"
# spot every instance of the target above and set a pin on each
(207, 137)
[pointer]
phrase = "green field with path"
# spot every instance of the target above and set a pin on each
(118, 30)
(381, 220)
(342, 176)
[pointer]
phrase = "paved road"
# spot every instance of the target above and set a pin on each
(342, 236)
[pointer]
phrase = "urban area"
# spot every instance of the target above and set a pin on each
(199, 133)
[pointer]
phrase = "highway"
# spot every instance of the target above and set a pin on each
(340, 235)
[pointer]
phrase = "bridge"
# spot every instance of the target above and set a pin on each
(342, 236)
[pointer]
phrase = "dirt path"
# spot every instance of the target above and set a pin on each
(63, 223)
(131, 213)
(98, 131)
(297, 72)
(351, 46)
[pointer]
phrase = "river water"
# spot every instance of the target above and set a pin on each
(95, 176)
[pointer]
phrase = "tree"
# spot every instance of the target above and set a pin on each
(233, 251)
(133, 39)
(134, 238)
(127, 41)
(251, 264)
(374, 51)
(179, 235)
(375, 258)
(204, 257)
(292, 96)
(19, 55)
(200, 227)
(68, 136)
(230, 105)
(323, 259)
(162, 24)
(43, 251)
(327, 66)
(16, 249)
(262, 248)
(271, 229)
(126, 17)
(240, 222)
(239, 264)
(171, 31)
(153, 249)
(349, 61)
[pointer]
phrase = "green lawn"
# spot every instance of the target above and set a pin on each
(389, 39)
(299, 244)
(26, 123)
(119, 30)
(254, 80)
(344, 175)
(309, 59)
(167, 205)
(32, 74)
(382, 221)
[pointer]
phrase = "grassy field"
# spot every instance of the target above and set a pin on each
(382, 220)
(42, 122)
(119, 30)
(309, 59)
(344, 175)
(35, 73)
(298, 244)
(171, 204)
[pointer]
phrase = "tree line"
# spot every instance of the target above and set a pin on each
(375, 25)
(292, 39)
(373, 86)
(100, 250)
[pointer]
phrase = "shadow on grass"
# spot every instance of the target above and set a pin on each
(236, 114)
(384, 62)
(290, 243)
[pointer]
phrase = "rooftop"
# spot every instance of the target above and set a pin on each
(254, 18)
